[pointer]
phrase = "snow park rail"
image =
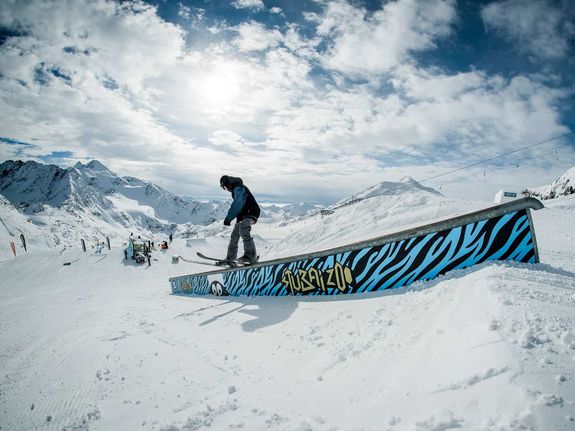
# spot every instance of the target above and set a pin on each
(501, 232)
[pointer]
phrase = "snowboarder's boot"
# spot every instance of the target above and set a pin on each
(246, 260)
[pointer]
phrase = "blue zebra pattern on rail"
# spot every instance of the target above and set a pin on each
(198, 285)
(379, 267)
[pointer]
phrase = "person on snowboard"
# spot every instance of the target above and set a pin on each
(246, 211)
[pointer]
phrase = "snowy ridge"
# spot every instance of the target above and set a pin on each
(89, 201)
(407, 185)
(285, 212)
(563, 186)
(32, 185)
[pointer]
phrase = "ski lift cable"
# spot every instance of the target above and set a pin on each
(542, 153)
(497, 157)
(400, 186)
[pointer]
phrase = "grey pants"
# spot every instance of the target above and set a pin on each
(243, 229)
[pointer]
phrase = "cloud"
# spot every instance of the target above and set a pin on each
(74, 79)
(184, 11)
(115, 82)
(363, 43)
(538, 28)
(208, 91)
(476, 112)
(249, 4)
(125, 42)
(253, 36)
(430, 116)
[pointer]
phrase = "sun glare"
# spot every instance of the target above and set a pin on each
(219, 89)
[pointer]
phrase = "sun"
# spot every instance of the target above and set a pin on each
(219, 88)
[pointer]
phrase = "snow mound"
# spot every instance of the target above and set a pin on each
(387, 188)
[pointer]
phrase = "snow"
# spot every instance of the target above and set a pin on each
(91, 202)
(388, 188)
(368, 218)
(100, 344)
(12, 224)
(564, 185)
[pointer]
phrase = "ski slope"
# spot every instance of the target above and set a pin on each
(102, 345)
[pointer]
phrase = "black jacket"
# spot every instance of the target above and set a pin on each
(244, 204)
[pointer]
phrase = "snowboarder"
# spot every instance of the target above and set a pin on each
(246, 211)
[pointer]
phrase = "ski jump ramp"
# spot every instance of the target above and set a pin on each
(501, 232)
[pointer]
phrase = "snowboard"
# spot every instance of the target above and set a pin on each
(222, 263)
(201, 262)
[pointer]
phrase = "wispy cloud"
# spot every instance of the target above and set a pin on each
(372, 43)
(248, 4)
(540, 29)
(253, 36)
(76, 79)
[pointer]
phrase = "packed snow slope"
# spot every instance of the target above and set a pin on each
(102, 345)
(12, 224)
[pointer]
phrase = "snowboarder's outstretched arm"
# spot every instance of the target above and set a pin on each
(240, 196)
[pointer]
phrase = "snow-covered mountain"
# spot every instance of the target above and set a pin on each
(283, 212)
(388, 188)
(91, 201)
(564, 185)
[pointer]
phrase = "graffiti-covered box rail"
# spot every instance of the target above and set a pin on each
(502, 232)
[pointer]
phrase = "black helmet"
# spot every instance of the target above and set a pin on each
(224, 181)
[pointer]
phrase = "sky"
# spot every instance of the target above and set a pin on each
(306, 100)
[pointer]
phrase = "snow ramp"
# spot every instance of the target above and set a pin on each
(501, 232)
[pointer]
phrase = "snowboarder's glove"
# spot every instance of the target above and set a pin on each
(227, 222)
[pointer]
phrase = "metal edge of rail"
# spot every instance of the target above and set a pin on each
(436, 226)
(533, 237)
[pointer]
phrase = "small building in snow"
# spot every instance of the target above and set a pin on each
(503, 196)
